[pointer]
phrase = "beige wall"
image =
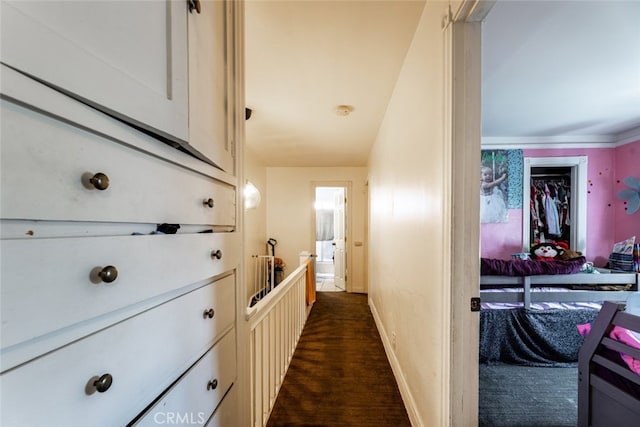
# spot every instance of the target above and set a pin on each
(255, 220)
(290, 214)
(409, 282)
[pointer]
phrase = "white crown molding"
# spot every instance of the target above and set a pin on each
(565, 141)
(591, 141)
(628, 137)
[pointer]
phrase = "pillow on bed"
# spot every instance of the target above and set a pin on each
(501, 267)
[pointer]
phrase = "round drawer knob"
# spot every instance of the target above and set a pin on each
(216, 254)
(208, 314)
(103, 383)
(100, 181)
(208, 202)
(212, 385)
(108, 274)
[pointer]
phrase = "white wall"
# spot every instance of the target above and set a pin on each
(255, 220)
(290, 214)
(409, 282)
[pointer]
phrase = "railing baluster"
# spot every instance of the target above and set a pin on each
(275, 325)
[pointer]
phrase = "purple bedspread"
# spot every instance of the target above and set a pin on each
(501, 267)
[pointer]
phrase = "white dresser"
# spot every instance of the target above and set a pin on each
(119, 123)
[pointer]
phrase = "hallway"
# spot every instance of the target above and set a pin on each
(325, 283)
(339, 375)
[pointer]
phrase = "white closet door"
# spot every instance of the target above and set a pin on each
(127, 58)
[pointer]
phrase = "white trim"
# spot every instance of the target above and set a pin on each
(562, 141)
(348, 247)
(628, 137)
(578, 202)
(448, 182)
(547, 146)
(567, 140)
(473, 10)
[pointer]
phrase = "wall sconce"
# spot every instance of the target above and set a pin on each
(251, 196)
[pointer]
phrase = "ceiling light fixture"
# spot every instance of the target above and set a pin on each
(344, 110)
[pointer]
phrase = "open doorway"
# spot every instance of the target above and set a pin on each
(330, 232)
(566, 179)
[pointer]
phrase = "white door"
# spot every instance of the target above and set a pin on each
(127, 58)
(340, 257)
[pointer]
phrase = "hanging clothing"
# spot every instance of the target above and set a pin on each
(550, 201)
(553, 221)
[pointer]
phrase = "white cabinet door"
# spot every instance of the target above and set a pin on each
(127, 58)
(209, 74)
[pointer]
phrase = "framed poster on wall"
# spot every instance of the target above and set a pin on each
(500, 184)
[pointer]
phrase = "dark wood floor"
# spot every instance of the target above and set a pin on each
(339, 375)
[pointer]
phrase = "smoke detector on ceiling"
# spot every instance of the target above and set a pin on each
(344, 110)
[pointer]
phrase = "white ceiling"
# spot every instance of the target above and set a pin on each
(304, 58)
(563, 70)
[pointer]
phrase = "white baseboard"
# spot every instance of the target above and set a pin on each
(407, 397)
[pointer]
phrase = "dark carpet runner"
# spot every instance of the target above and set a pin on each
(339, 375)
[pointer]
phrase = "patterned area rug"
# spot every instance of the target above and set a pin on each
(526, 396)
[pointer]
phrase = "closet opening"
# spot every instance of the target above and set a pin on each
(550, 217)
(555, 201)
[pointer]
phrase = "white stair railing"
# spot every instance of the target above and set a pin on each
(275, 325)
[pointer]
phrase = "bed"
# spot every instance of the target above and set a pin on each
(608, 390)
(527, 282)
(530, 309)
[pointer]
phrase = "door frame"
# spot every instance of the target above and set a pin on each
(578, 204)
(466, 141)
(348, 224)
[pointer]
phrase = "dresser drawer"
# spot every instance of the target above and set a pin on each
(226, 414)
(49, 284)
(195, 396)
(143, 354)
(50, 171)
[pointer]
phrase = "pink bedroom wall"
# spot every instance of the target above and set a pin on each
(627, 158)
(501, 240)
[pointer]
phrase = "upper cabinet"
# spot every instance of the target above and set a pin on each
(159, 65)
(210, 81)
(127, 58)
